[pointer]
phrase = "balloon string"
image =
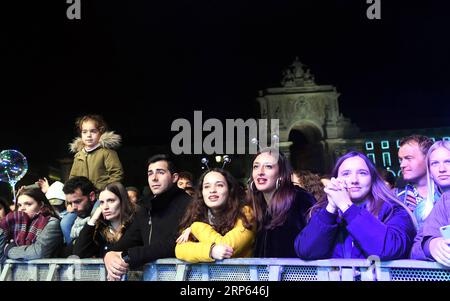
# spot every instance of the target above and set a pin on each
(13, 187)
(14, 193)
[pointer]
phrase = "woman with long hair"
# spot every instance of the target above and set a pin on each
(217, 223)
(429, 243)
(32, 231)
(280, 207)
(438, 178)
(360, 217)
(108, 223)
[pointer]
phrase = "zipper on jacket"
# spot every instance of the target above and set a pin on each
(151, 228)
(87, 166)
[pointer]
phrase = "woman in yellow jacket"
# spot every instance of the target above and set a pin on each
(217, 224)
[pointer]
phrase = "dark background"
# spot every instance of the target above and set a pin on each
(142, 64)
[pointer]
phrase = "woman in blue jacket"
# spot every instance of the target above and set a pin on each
(359, 217)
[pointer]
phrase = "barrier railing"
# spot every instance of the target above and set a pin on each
(240, 269)
(257, 269)
(54, 270)
(413, 270)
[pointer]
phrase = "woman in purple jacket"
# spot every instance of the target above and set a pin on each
(359, 217)
(429, 244)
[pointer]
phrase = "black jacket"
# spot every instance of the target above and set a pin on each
(155, 227)
(92, 243)
(279, 242)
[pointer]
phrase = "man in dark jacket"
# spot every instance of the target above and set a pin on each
(154, 230)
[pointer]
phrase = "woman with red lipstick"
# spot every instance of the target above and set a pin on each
(360, 217)
(217, 224)
(108, 223)
(280, 207)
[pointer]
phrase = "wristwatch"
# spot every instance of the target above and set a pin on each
(125, 257)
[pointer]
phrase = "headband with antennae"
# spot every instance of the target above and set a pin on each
(205, 161)
(226, 160)
(275, 140)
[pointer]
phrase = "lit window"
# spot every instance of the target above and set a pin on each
(371, 156)
(398, 143)
(385, 144)
(386, 159)
(369, 145)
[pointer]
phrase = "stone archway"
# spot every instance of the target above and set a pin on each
(310, 125)
(307, 149)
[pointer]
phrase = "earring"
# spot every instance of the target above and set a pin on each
(278, 183)
(250, 186)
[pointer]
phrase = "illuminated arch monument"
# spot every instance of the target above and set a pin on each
(312, 130)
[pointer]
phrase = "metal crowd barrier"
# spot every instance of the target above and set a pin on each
(413, 270)
(240, 269)
(56, 269)
(257, 269)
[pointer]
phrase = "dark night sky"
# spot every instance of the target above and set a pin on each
(143, 64)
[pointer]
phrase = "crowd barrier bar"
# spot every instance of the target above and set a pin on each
(260, 269)
(239, 269)
(55, 269)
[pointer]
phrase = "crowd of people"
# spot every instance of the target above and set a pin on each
(355, 213)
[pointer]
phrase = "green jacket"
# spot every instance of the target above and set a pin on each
(102, 165)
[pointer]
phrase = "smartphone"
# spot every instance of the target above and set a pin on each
(445, 231)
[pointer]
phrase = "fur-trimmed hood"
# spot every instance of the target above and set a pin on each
(107, 140)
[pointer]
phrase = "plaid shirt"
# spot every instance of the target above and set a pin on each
(413, 200)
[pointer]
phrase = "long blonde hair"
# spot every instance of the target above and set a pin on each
(431, 184)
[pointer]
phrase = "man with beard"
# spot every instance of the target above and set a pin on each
(80, 193)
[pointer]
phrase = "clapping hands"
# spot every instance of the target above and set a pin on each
(337, 195)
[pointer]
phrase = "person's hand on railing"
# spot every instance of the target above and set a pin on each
(221, 252)
(184, 237)
(440, 250)
(115, 266)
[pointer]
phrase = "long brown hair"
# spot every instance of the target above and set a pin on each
(311, 183)
(126, 213)
(379, 192)
(232, 210)
(37, 195)
(281, 200)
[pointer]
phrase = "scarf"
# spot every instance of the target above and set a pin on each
(18, 226)
(211, 217)
(77, 226)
